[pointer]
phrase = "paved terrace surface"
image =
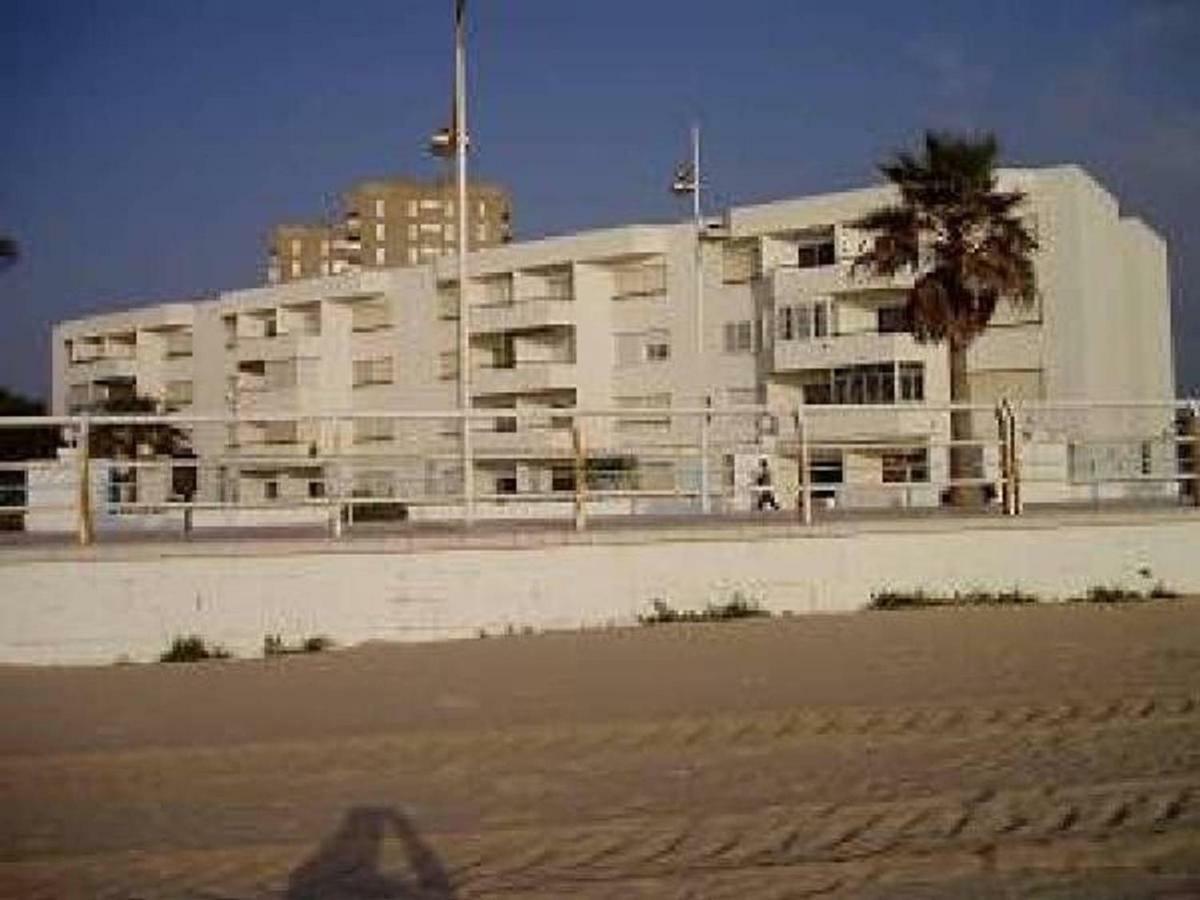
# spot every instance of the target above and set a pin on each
(526, 533)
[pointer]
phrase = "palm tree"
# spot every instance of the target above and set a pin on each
(969, 250)
(8, 251)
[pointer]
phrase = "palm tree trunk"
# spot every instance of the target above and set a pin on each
(965, 461)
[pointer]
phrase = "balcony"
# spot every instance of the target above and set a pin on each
(874, 423)
(281, 346)
(849, 350)
(525, 377)
(107, 368)
(536, 312)
(527, 442)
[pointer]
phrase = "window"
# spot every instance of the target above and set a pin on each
(562, 479)
(811, 256)
(644, 279)
(271, 490)
(374, 430)
(178, 393)
(412, 231)
(739, 337)
(414, 256)
(912, 381)
(316, 490)
(295, 268)
(448, 365)
(638, 347)
(380, 256)
(785, 329)
(431, 205)
(380, 231)
(179, 343)
(1147, 454)
(481, 232)
(482, 209)
(295, 246)
(380, 209)
(739, 261)
(370, 315)
(902, 466)
(892, 319)
(658, 350)
(412, 209)
(373, 371)
(820, 319)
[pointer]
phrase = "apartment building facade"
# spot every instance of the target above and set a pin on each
(387, 223)
(611, 319)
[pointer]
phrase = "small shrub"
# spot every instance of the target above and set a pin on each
(738, 606)
(918, 599)
(1161, 592)
(273, 645)
(1102, 593)
(191, 648)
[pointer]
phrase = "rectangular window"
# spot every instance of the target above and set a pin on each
(892, 320)
(380, 231)
(786, 323)
(179, 343)
(373, 371)
(380, 208)
(658, 346)
(448, 365)
(739, 260)
(412, 209)
(431, 205)
(271, 490)
(370, 431)
(178, 393)
(912, 381)
(820, 320)
(380, 256)
(640, 280)
(370, 315)
(903, 466)
(811, 256)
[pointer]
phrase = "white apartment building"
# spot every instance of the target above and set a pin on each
(610, 319)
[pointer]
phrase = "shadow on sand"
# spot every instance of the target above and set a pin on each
(347, 865)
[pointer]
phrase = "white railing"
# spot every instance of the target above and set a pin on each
(109, 473)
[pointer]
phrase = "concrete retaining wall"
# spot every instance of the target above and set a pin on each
(65, 610)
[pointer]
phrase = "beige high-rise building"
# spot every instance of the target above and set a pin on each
(390, 222)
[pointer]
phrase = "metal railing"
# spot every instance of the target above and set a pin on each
(95, 475)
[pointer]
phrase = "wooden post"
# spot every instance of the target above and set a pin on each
(805, 506)
(705, 423)
(580, 453)
(84, 468)
(1191, 430)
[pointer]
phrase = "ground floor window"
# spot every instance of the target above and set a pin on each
(903, 466)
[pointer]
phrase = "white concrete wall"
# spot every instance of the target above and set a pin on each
(67, 611)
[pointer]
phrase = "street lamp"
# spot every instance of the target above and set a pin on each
(444, 143)
(689, 181)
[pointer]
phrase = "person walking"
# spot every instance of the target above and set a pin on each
(765, 495)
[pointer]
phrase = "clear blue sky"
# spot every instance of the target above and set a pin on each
(147, 146)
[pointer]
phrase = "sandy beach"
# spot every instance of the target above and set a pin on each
(1047, 751)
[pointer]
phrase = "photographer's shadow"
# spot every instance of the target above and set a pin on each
(347, 865)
